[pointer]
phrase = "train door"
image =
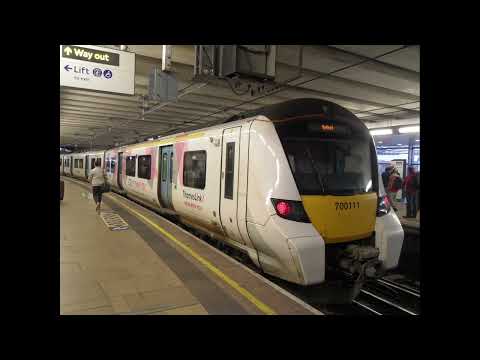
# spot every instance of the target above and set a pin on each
(229, 182)
(119, 172)
(87, 166)
(71, 165)
(165, 183)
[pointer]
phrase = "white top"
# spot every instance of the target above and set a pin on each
(97, 176)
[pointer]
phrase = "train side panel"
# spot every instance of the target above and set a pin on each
(143, 187)
(197, 201)
(79, 166)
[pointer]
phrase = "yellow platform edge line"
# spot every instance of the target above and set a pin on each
(232, 283)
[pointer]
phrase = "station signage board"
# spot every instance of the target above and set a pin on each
(97, 68)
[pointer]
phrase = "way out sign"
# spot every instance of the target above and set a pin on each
(97, 68)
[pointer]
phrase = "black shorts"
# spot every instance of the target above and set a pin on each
(97, 193)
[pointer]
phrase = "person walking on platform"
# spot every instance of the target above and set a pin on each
(410, 185)
(394, 184)
(97, 178)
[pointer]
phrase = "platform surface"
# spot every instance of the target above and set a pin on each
(408, 222)
(153, 267)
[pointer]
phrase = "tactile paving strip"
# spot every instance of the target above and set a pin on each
(113, 221)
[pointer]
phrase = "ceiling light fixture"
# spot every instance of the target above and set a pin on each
(381, 132)
(409, 129)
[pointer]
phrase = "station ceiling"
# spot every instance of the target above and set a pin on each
(379, 83)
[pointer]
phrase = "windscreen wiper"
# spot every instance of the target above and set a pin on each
(318, 176)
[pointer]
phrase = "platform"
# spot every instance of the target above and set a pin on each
(408, 223)
(152, 267)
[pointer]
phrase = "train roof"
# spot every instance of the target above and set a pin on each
(297, 107)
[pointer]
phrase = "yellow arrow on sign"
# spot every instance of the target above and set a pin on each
(67, 51)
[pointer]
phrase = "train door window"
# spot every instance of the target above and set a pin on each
(112, 165)
(80, 163)
(171, 166)
(100, 161)
(164, 167)
(92, 166)
(75, 163)
(144, 166)
(229, 170)
(194, 169)
(130, 168)
(107, 165)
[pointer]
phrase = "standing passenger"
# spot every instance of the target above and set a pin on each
(410, 185)
(385, 175)
(418, 195)
(394, 184)
(97, 178)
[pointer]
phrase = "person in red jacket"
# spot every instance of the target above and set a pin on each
(410, 186)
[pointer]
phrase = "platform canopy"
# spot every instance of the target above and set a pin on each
(379, 83)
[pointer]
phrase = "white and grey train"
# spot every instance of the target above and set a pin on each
(294, 185)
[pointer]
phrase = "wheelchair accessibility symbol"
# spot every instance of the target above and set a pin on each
(107, 73)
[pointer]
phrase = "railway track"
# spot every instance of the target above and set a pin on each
(385, 297)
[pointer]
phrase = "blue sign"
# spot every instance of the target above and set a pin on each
(107, 73)
(97, 72)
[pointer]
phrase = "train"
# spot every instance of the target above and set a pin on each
(294, 186)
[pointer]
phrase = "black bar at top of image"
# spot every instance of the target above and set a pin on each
(98, 56)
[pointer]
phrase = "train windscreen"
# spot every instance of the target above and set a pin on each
(328, 158)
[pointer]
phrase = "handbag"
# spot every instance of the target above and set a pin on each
(106, 187)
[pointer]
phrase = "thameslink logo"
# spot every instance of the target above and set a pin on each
(194, 197)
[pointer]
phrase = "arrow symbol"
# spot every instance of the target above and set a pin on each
(67, 51)
(67, 67)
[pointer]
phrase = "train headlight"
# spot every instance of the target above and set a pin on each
(291, 210)
(383, 207)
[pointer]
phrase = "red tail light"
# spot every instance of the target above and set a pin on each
(283, 208)
(291, 210)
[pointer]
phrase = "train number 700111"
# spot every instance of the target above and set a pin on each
(347, 205)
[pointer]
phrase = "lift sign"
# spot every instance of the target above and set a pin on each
(96, 56)
(97, 68)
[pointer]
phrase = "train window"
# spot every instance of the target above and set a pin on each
(130, 169)
(171, 166)
(100, 161)
(92, 166)
(194, 169)
(229, 170)
(80, 163)
(107, 165)
(164, 167)
(334, 166)
(75, 163)
(112, 166)
(144, 166)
